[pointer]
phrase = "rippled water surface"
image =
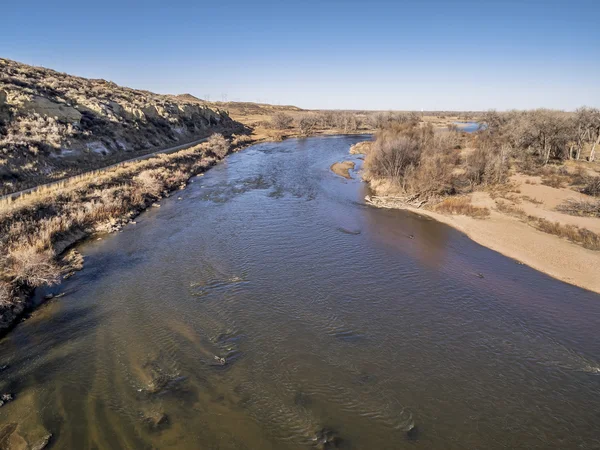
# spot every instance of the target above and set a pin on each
(266, 307)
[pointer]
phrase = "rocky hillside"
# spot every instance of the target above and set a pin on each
(54, 125)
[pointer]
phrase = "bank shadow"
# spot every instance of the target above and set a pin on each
(39, 349)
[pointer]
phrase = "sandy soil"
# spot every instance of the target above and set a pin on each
(343, 168)
(516, 239)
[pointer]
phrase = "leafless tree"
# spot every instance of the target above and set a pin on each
(307, 124)
(587, 123)
(281, 121)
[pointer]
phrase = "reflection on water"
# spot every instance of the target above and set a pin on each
(269, 308)
(469, 127)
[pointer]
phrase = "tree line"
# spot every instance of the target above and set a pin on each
(544, 133)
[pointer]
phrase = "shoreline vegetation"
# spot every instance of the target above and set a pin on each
(39, 229)
(525, 185)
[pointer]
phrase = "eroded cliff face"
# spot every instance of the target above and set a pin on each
(53, 124)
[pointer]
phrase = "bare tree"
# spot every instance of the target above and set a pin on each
(281, 121)
(308, 124)
(587, 123)
(218, 145)
(541, 132)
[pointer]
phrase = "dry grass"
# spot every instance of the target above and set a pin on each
(510, 209)
(535, 201)
(592, 186)
(581, 236)
(461, 206)
(577, 235)
(585, 208)
(555, 180)
(36, 228)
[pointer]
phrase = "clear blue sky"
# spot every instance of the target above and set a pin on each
(457, 55)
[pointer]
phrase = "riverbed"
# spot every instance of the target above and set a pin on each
(267, 307)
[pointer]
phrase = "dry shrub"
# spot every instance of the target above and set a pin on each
(241, 140)
(574, 207)
(533, 200)
(592, 186)
(27, 265)
(6, 297)
(391, 155)
(35, 132)
(427, 164)
(361, 148)
(218, 145)
(150, 182)
(581, 236)
(461, 206)
(555, 180)
(487, 164)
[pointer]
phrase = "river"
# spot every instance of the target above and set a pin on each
(267, 307)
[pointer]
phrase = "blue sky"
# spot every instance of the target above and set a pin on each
(442, 55)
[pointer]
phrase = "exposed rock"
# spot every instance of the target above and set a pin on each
(72, 262)
(150, 112)
(10, 314)
(6, 398)
(116, 108)
(155, 420)
(412, 434)
(45, 107)
(302, 399)
(327, 439)
(94, 119)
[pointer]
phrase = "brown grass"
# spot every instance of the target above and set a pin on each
(581, 236)
(535, 201)
(577, 235)
(461, 206)
(585, 208)
(592, 186)
(555, 180)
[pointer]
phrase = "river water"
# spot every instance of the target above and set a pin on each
(267, 307)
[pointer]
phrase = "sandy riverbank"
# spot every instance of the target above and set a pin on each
(516, 239)
(343, 168)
